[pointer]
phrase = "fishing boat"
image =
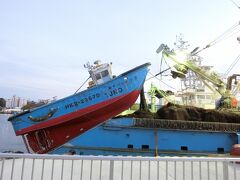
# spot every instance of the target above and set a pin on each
(50, 126)
(173, 129)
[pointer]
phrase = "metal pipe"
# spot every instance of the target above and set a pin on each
(131, 175)
(140, 170)
(72, 169)
(62, 169)
(22, 172)
(191, 170)
(111, 169)
(122, 171)
(12, 170)
(216, 170)
(52, 171)
(2, 168)
(208, 175)
(91, 164)
(235, 172)
(82, 169)
(166, 170)
(42, 169)
(175, 170)
(200, 170)
(33, 165)
(225, 170)
(149, 168)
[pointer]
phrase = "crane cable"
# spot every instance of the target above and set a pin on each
(161, 71)
(154, 76)
(232, 65)
(228, 33)
(235, 4)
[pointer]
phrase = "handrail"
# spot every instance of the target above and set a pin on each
(45, 166)
(117, 158)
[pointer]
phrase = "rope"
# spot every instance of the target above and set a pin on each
(232, 65)
(228, 33)
(162, 81)
(219, 38)
(153, 76)
(235, 4)
(82, 85)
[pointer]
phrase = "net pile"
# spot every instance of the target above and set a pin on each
(173, 116)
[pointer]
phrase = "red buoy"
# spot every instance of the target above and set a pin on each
(235, 151)
(234, 102)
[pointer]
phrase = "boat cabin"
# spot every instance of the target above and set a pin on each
(99, 73)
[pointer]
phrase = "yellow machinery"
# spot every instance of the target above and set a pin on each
(181, 64)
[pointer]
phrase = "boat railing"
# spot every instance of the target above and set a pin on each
(75, 167)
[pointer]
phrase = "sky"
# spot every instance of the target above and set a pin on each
(44, 44)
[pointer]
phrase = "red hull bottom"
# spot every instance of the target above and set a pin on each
(47, 139)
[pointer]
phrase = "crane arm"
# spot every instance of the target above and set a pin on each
(155, 92)
(183, 64)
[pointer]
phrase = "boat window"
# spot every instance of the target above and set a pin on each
(208, 97)
(130, 146)
(98, 76)
(184, 148)
(220, 150)
(104, 73)
(191, 97)
(200, 96)
(145, 146)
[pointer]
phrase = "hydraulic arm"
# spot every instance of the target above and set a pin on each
(182, 64)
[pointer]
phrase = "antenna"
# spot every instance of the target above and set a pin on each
(180, 43)
(87, 65)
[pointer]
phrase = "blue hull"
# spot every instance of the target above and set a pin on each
(120, 137)
(54, 124)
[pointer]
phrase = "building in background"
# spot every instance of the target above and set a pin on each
(15, 102)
